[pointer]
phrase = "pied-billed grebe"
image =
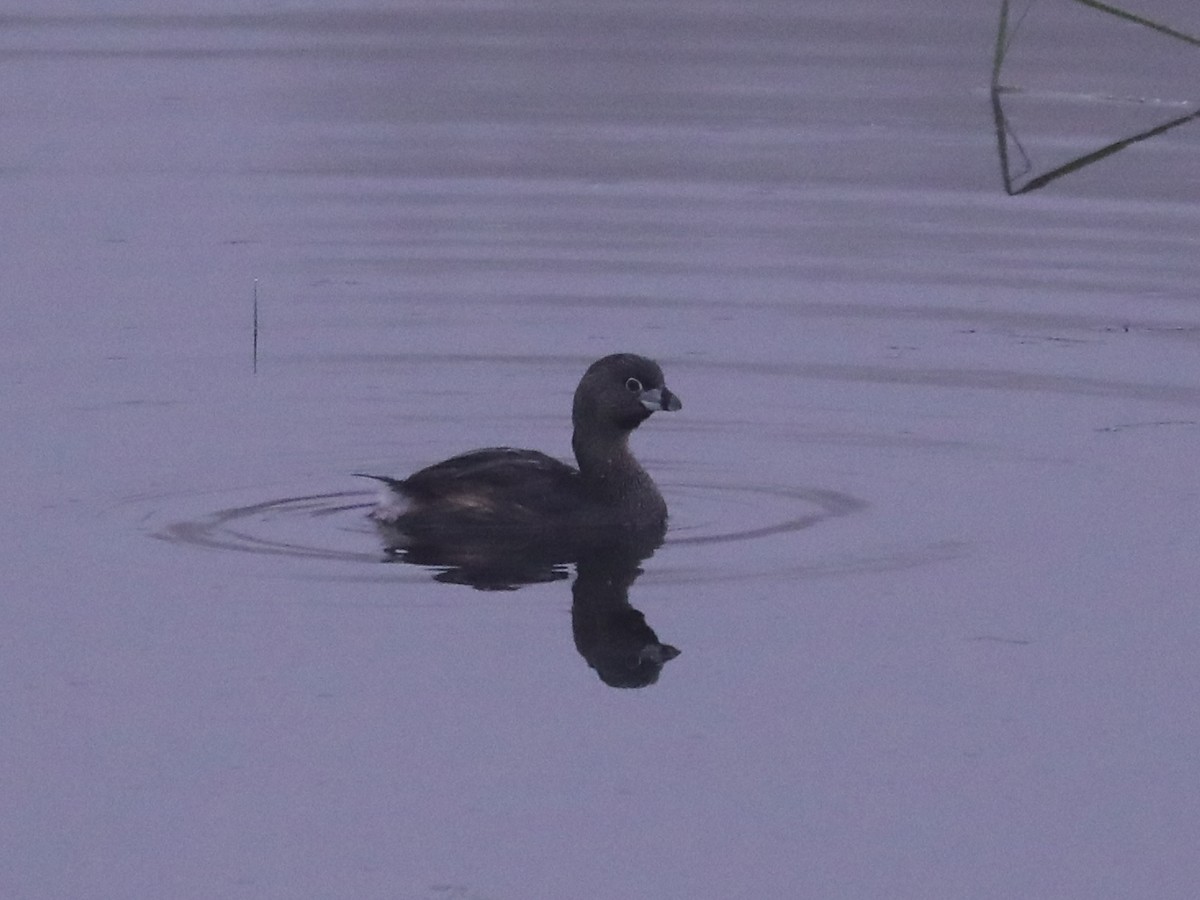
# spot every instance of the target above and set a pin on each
(512, 493)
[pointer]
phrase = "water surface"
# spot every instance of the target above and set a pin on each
(933, 490)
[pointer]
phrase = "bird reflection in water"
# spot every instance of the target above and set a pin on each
(610, 634)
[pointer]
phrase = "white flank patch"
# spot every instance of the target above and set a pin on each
(390, 505)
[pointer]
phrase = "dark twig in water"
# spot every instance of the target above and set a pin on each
(1139, 20)
(1005, 133)
(255, 357)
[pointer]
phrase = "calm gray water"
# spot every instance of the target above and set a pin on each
(934, 494)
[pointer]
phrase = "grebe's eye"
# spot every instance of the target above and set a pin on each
(633, 385)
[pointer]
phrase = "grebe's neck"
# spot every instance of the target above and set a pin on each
(609, 470)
